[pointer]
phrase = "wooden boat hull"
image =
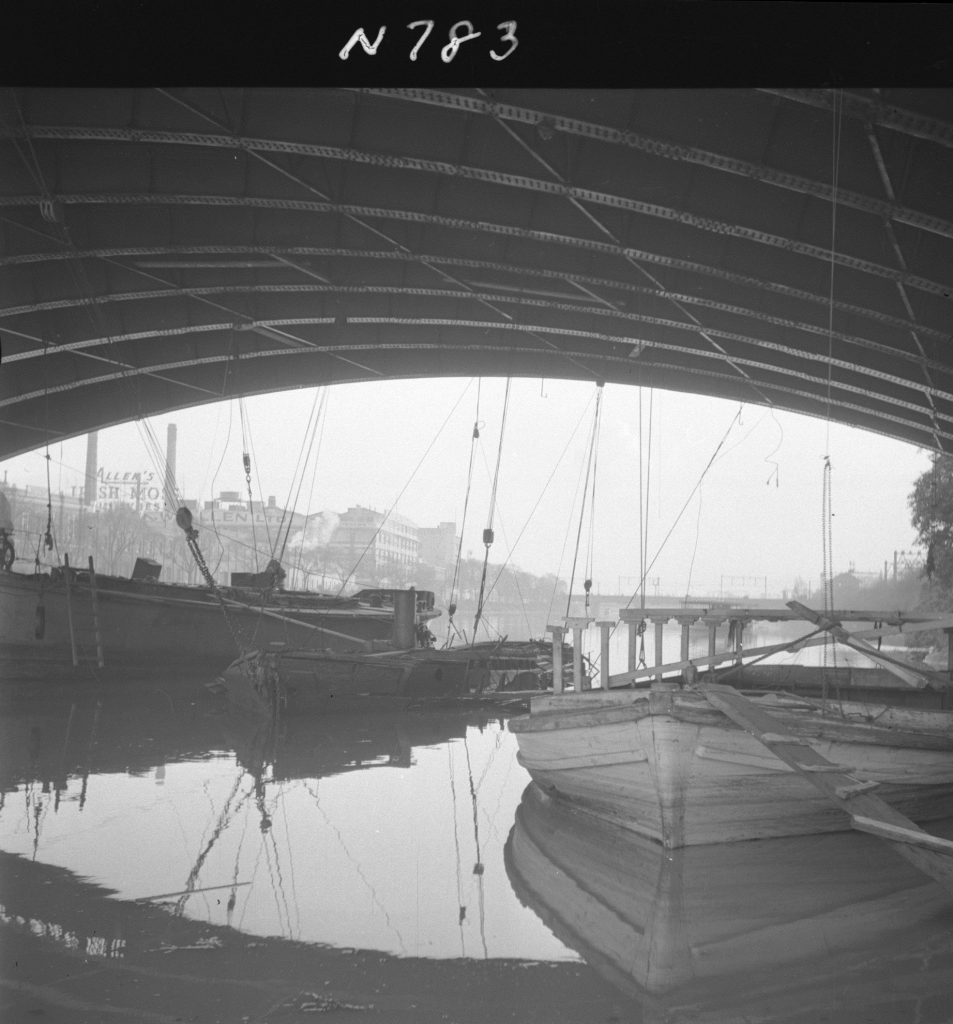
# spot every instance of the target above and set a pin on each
(303, 681)
(669, 767)
(154, 625)
(779, 929)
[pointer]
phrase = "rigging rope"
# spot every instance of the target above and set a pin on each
(374, 536)
(488, 532)
(511, 551)
(644, 496)
(681, 512)
(299, 565)
(691, 494)
(590, 471)
(246, 463)
(314, 420)
(592, 506)
(452, 607)
(183, 518)
(836, 122)
(830, 654)
(691, 565)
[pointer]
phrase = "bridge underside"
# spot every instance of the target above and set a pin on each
(170, 247)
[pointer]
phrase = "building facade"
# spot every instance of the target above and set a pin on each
(375, 542)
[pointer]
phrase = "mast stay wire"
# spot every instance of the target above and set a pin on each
(572, 506)
(590, 471)
(488, 532)
(691, 564)
(299, 563)
(556, 465)
(592, 506)
(827, 515)
(228, 437)
(420, 462)
(644, 494)
(681, 511)
(246, 464)
(314, 420)
(474, 437)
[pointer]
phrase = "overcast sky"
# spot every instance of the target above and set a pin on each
(406, 445)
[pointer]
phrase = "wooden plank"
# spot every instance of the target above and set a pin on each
(624, 678)
(866, 811)
(892, 618)
(900, 834)
(809, 640)
(912, 675)
(297, 622)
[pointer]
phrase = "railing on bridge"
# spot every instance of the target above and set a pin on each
(636, 621)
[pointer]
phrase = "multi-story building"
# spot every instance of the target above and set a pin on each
(377, 541)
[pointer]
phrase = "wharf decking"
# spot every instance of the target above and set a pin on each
(891, 622)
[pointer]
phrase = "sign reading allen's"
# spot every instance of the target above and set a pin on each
(138, 488)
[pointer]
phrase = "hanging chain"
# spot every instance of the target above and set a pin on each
(640, 631)
(183, 518)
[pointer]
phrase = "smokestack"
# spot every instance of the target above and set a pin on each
(170, 463)
(92, 461)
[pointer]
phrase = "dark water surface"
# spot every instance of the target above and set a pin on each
(163, 859)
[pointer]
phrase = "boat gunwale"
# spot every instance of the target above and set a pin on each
(691, 707)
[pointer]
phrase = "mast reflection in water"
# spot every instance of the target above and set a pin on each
(383, 843)
(378, 831)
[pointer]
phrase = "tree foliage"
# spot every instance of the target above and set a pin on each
(931, 513)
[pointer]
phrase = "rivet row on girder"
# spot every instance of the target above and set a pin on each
(672, 263)
(879, 208)
(413, 216)
(519, 300)
(516, 298)
(681, 369)
(853, 367)
(872, 111)
(685, 154)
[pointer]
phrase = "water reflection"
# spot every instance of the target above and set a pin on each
(802, 929)
(402, 862)
(378, 831)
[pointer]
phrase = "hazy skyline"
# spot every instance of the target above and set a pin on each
(406, 445)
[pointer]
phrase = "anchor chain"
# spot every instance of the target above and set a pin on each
(183, 518)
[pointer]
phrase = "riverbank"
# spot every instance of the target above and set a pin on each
(70, 954)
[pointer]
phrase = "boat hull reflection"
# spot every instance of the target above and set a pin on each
(772, 929)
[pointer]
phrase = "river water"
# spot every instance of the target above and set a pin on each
(415, 842)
